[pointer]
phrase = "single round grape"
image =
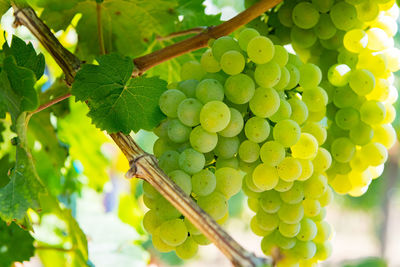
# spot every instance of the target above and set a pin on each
(173, 232)
(315, 186)
(325, 28)
(374, 154)
(291, 213)
(222, 45)
(229, 181)
(227, 147)
(323, 232)
(260, 49)
(189, 112)
(284, 242)
(201, 240)
(344, 16)
(192, 70)
(267, 221)
(303, 38)
(326, 198)
(294, 195)
(256, 229)
(323, 6)
(284, 111)
(308, 230)
(267, 75)
(265, 102)
(367, 10)
(306, 147)
(305, 250)
(272, 153)
(324, 251)
(347, 118)
(372, 112)
(178, 132)
(159, 244)
(203, 183)
(215, 116)
(232, 162)
(151, 221)
(187, 249)
(362, 81)
(245, 36)
(235, 124)
(294, 76)
(162, 145)
(307, 169)
(345, 97)
(188, 87)
(322, 160)
(169, 161)
(209, 90)
(284, 80)
(281, 56)
(250, 184)
(249, 151)
(310, 75)
(286, 132)
(182, 179)
(191, 161)
(203, 141)
(215, 204)
(385, 134)
(299, 110)
(338, 75)
(209, 63)
(283, 186)
(257, 129)
(289, 230)
(232, 62)
(317, 130)
(355, 40)
(342, 149)
(315, 98)
(312, 207)
(239, 89)
(169, 102)
(289, 169)
(270, 201)
(265, 177)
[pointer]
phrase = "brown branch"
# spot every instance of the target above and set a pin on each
(100, 29)
(181, 33)
(146, 167)
(50, 103)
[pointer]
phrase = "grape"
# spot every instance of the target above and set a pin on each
(227, 147)
(284, 111)
(362, 81)
(214, 116)
(203, 141)
(281, 56)
(315, 186)
(267, 221)
(322, 160)
(347, 118)
(270, 201)
(355, 40)
(323, 232)
(367, 11)
(338, 75)
(232, 62)
(232, 162)
(325, 28)
(289, 230)
(267, 75)
(291, 213)
(306, 147)
(203, 183)
(311, 207)
(305, 250)
(260, 49)
(315, 129)
(151, 222)
(272, 153)
(169, 161)
(302, 21)
(344, 16)
(257, 129)
(294, 195)
(323, 6)
(385, 134)
(372, 112)
(189, 112)
(188, 87)
(159, 244)
(222, 45)
(249, 151)
(265, 102)
(344, 97)
(289, 169)
(299, 110)
(192, 70)
(173, 232)
(209, 90)
(284, 242)
(182, 179)
(191, 161)
(324, 250)
(294, 76)
(286, 132)
(214, 204)
(187, 249)
(209, 63)
(265, 177)
(283, 186)
(229, 181)
(310, 75)
(234, 126)
(342, 149)
(308, 230)
(177, 132)
(255, 228)
(303, 38)
(285, 14)
(239, 89)
(284, 79)
(245, 36)
(165, 210)
(374, 154)
(201, 240)
(169, 102)
(307, 169)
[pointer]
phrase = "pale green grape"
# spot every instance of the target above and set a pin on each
(348, 58)
(299, 110)
(347, 118)
(249, 151)
(284, 80)
(151, 221)
(149, 191)
(326, 198)
(173, 232)
(187, 249)
(302, 37)
(260, 49)
(191, 161)
(283, 113)
(344, 97)
(169, 161)
(286, 132)
(307, 169)
(289, 230)
(306, 147)
(227, 147)
(188, 87)
(322, 160)
(267, 221)
(245, 36)
(232, 62)
(294, 195)
(189, 112)
(285, 14)
(162, 145)
(235, 124)
(162, 129)
(222, 45)
(265, 177)
(203, 183)
(283, 186)
(315, 186)
(323, 6)
(248, 179)
(192, 70)
(268, 244)
(253, 204)
(255, 228)
(355, 40)
(215, 116)
(344, 16)
(305, 250)
(374, 154)
(289, 169)
(308, 230)
(320, 216)
(270, 201)
(284, 242)
(294, 76)
(342, 149)
(362, 81)
(177, 132)
(325, 28)
(257, 129)
(159, 244)
(338, 75)
(215, 204)
(265, 102)
(315, 98)
(281, 56)
(324, 251)
(239, 89)
(323, 232)
(272, 153)
(385, 134)
(310, 75)
(203, 141)
(201, 240)
(367, 10)
(291, 213)
(317, 130)
(209, 63)
(267, 75)
(372, 112)
(182, 179)
(312, 207)
(209, 90)
(229, 181)
(232, 162)
(169, 102)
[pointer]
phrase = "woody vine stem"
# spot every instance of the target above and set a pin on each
(143, 165)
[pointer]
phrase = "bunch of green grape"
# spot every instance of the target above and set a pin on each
(240, 120)
(352, 42)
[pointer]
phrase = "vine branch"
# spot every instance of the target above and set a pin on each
(147, 167)
(181, 33)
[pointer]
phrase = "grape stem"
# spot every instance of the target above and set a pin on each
(142, 165)
(181, 33)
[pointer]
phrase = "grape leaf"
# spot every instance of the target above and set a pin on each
(193, 12)
(118, 102)
(15, 244)
(25, 55)
(2, 129)
(5, 166)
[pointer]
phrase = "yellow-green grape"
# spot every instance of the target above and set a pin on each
(209, 63)
(315, 186)
(284, 79)
(312, 207)
(203, 182)
(302, 21)
(308, 230)
(342, 149)
(324, 251)
(345, 97)
(338, 75)
(215, 204)
(239, 89)
(283, 113)
(209, 90)
(281, 56)
(227, 147)
(189, 112)
(381, 91)
(192, 70)
(362, 81)
(360, 179)
(272, 153)
(372, 112)
(347, 118)
(291, 213)
(315, 129)
(289, 230)
(159, 244)
(235, 124)
(294, 75)
(178, 132)
(323, 232)
(215, 116)
(344, 16)
(229, 181)
(232, 62)
(260, 49)
(268, 244)
(188, 87)
(289, 169)
(249, 151)
(303, 38)
(257, 129)
(270, 201)
(283, 186)
(267, 221)
(232, 162)
(374, 154)
(248, 179)
(283, 242)
(245, 36)
(222, 45)
(385, 134)
(306, 147)
(201, 240)
(355, 40)
(253, 204)
(299, 110)
(169, 102)
(187, 249)
(361, 134)
(294, 195)
(169, 161)
(151, 221)
(322, 160)
(173, 232)
(265, 177)
(191, 161)
(310, 75)
(267, 75)
(255, 228)
(307, 169)
(287, 132)
(182, 179)
(265, 102)
(202, 140)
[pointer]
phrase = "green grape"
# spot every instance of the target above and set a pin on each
(270, 201)
(149, 202)
(325, 28)
(294, 76)
(281, 56)
(235, 124)
(305, 250)
(342, 149)
(192, 70)
(177, 132)
(326, 198)
(229, 181)
(310, 75)
(312, 207)
(260, 49)
(374, 154)
(232, 62)
(239, 89)
(173, 232)
(268, 244)
(367, 11)
(315, 129)
(289, 230)
(253, 204)
(265, 102)
(249, 151)
(284, 111)
(267, 221)
(345, 97)
(227, 147)
(306, 147)
(308, 230)
(209, 90)
(323, 6)
(334, 43)
(215, 204)
(169, 102)
(188, 87)
(284, 242)
(267, 75)
(299, 110)
(150, 191)
(315, 186)
(151, 222)
(201, 240)
(285, 14)
(222, 45)
(159, 244)
(203, 141)
(209, 63)
(187, 249)
(248, 179)
(215, 116)
(169, 161)
(182, 179)
(291, 213)
(286, 132)
(165, 210)
(302, 37)
(347, 118)
(381, 90)
(257, 129)
(338, 75)
(284, 80)
(265, 177)
(232, 162)
(307, 169)
(320, 216)
(372, 112)
(362, 81)
(385, 134)
(323, 232)
(322, 160)
(248, 167)
(245, 36)
(189, 112)
(162, 129)
(191, 161)
(355, 40)
(255, 228)
(289, 169)
(344, 16)
(324, 251)
(272, 153)
(162, 145)
(191, 228)
(294, 195)
(219, 76)
(348, 58)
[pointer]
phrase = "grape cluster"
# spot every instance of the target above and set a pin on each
(352, 42)
(248, 116)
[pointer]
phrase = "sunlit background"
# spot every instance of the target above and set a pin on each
(366, 228)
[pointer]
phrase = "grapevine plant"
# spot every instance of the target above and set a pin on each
(289, 102)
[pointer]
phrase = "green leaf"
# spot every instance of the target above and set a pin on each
(2, 129)
(118, 102)
(25, 56)
(15, 244)
(5, 166)
(4, 6)
(193, 12)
